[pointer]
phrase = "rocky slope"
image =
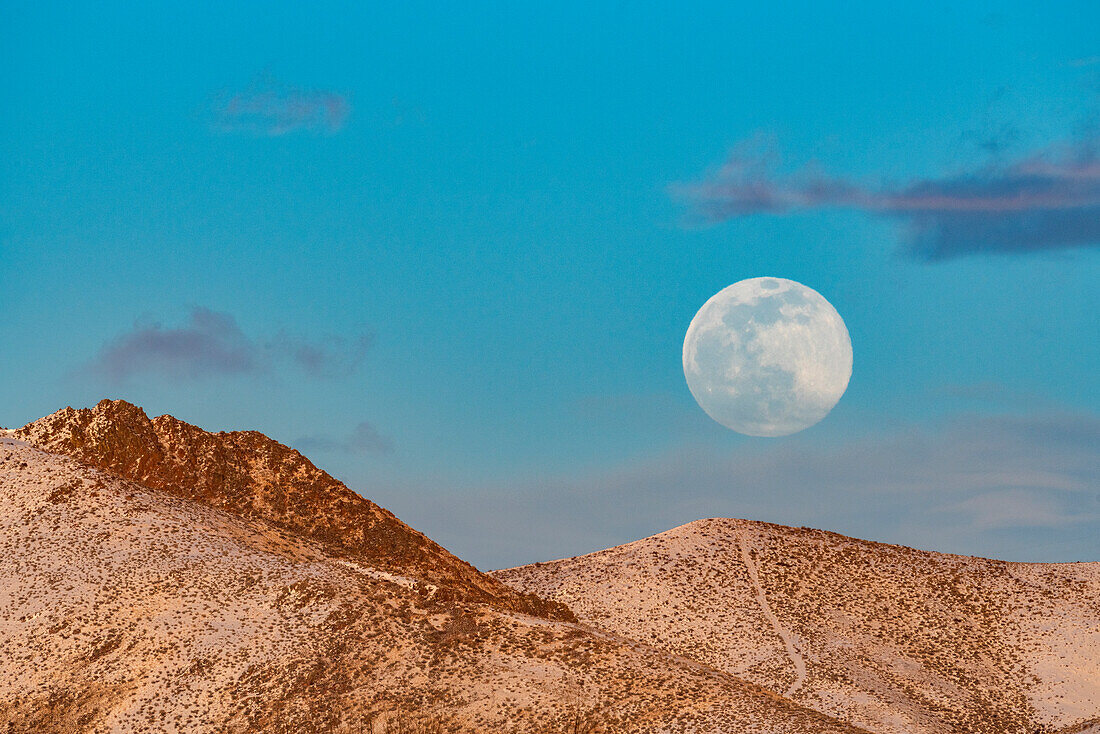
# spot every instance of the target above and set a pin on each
(248, 474)
(125, 608)
(892, 639)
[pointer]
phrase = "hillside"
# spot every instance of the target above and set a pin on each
(248, 474)
(892, 639)
(130, 609)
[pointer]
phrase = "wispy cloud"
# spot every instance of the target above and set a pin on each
(210, 343)
(270, 108)
(1014, 487)
(363, 439)
(1015, 508)
(330, 356)
(1047, 200)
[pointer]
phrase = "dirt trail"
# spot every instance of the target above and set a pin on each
(788, 639)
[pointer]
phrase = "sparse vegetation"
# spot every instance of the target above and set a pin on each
(127, 608)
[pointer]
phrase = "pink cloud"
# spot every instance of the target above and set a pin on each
(270, 108)
(1045, 201)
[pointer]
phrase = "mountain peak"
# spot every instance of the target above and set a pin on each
(251, 475)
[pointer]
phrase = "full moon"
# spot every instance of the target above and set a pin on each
(767, 357)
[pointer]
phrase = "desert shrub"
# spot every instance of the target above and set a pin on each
(402, 723)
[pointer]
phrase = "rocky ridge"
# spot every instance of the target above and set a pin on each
(249, 474)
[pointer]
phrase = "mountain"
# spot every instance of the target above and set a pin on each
(157, 578)
(891, 639)
(248, 474)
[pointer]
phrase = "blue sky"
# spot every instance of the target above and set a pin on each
(451, 253)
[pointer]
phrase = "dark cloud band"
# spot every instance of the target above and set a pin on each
(1049, 200)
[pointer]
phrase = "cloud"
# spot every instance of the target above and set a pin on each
(1048, 200)
(1012, 487)
(270, 108)
(331, 356)
(1014, 509)
(364, 439)
(210, 343)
